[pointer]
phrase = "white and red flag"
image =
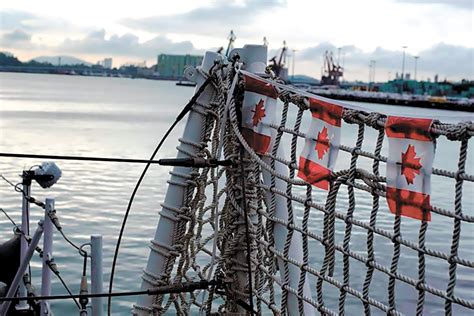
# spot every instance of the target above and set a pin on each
(410, 160)
(319, 154)
(258, 112)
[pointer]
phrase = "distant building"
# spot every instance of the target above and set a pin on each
(172, 66)
(107, 63)
(448, 89)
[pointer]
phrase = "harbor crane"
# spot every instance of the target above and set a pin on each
(231, 39)
(230, 45)
(332, 71)
(277, 65)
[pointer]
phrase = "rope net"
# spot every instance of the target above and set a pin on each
(315, 251)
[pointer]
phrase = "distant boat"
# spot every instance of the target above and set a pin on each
(186, 83)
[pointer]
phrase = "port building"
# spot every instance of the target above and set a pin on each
(463, 89)
(107, 63)
(172, 66)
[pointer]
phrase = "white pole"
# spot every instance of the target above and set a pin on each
(22, 269)
(416, 61)
(293, 65)
(25, 227)
(47, 255)
(254, 59)
(373, 71)
(403, 67)
(164, 239)
(96, 275)
(370, 76)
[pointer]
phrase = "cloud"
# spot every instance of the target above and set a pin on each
(16, 39)
(462, 4)
(16, 19)
(447, 60)
(221, 15)
(96, 43)
(12, 19)
(16, 36)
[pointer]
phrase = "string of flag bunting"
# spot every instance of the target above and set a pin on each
(411, 146)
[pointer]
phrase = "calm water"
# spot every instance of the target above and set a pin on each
(85, 116)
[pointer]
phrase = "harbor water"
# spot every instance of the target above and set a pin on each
(125, 118)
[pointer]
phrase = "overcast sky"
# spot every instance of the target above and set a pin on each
(439, 31)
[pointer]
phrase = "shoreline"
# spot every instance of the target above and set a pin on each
(451, 106)
(411, 102)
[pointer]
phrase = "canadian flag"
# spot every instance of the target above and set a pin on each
(410, 159)
(322, 145)
(258, 112)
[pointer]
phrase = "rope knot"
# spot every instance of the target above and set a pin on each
(370, 263)
(285, 96)
(326, 242)
(372, 120)
(459, 175)
(459, 131)
(419, 285)
(300, 101)
(396, 238)
(451, 258)
(354, 151)
(351, 116)
(348, 220)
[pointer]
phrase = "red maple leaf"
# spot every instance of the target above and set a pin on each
(322, 143)
(410, 164)
(258, 113)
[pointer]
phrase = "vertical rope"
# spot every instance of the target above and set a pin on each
(328, 237)
(307, 210)
(372, 222)
(421, 267)
(394, 264)
(259, 275)
(289, 206)
(350, 212)
(271, 262)
(457, 225)
(247, 230)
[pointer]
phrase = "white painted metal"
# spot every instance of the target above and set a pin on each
(22, 268)
(280, 232)
(96, 275)
(47, 255)
(254, 59)
(164, 239)
(25, 226)
(51, 169)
